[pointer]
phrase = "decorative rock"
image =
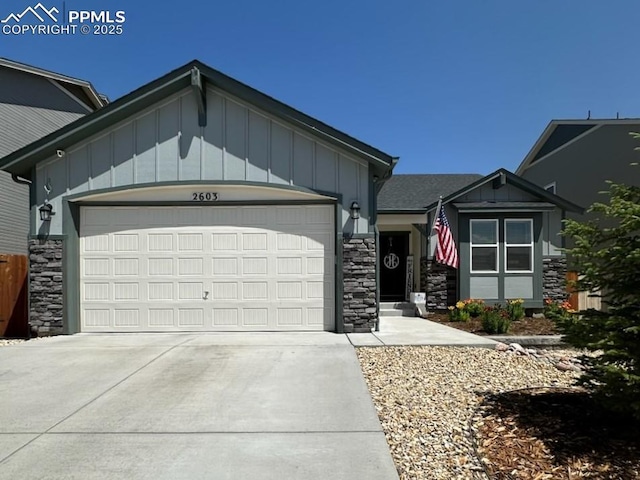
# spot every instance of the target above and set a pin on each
(501, 347)
(538, 315)
(516, 347)
(565, 367)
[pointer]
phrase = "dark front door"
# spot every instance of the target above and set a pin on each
(394, 248)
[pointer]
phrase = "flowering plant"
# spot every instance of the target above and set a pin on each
(515, 309)
(475, 307)
(557, 310)
(458, 313)
(495, 320)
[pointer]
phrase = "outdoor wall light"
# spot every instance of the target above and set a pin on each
(355, 210)
(46, 212)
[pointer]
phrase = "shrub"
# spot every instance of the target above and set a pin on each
(515, 309)
(495, 320)
(557, 310)
(458, 313)
(474, 307)
(607, 254)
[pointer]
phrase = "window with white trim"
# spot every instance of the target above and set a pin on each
(484, 245)
(518, 245)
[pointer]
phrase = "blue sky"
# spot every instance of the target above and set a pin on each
(448, 86)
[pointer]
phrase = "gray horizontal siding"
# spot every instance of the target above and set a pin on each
(14, 215)
(239, 143)
(30, 108)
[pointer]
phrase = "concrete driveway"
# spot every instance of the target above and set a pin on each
(185, 406)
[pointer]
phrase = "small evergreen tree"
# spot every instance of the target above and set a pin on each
(607, 254)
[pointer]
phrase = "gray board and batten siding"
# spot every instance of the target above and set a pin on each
(164, 144)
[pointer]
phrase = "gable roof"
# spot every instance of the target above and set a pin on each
(413, 192)
(560, 133)
(21, 161)
(81, 89)
(508, 177)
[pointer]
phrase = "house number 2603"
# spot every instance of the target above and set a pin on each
(204, 197)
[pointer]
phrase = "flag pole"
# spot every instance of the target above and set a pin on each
(435, 217)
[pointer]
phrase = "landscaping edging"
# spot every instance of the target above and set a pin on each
(530, 340)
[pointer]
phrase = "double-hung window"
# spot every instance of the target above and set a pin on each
(484, 246)
(518, 245)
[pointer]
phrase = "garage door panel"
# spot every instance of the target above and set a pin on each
(271, 271)
(161, 317)
(126, 267)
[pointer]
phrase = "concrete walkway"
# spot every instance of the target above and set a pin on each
(417, 331)
(188, 406)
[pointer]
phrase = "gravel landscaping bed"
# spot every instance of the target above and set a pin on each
(6, 342)
(427, 399)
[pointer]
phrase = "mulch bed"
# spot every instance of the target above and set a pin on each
(555, 433)
(526, 326)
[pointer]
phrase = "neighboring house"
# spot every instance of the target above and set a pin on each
(196, 203)
(33, 103)
(506, 230)
(575, 158)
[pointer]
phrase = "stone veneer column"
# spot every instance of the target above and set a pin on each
(439, 283)
(359, 309)
(554, 278)
(45, 286)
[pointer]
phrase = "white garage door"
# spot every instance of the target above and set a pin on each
(207, 268)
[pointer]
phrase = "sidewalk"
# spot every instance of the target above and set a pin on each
(417, 331)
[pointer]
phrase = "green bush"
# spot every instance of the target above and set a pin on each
(457, 314)
(515, 309)
(557, 310)
(607, 254)
(474, 307)
(495, 320)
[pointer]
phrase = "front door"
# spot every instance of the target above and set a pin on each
(394, 248)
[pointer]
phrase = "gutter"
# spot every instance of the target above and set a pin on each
(20, 180)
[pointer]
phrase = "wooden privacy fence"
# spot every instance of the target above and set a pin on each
(581, 300)
(13, 296)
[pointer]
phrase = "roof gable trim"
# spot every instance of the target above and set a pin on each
(519, 182)
(22, 160)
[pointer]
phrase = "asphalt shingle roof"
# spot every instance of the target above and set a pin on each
(415, 192)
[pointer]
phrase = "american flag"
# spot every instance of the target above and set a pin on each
(446, 252)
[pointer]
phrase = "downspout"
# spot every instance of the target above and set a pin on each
(378, 183)
(377, 236)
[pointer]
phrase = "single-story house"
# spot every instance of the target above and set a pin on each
(197, 203)
(506, 230)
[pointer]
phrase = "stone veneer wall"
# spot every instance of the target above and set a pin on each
(439, 283)
(554, 278)
(45, 286)
(359, 309)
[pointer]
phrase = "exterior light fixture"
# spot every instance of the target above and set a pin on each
(355, 210)
(46, 212)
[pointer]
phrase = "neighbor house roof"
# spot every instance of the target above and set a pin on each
(194, 74)
(80, 89)
(561, 133)
(414, 192)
